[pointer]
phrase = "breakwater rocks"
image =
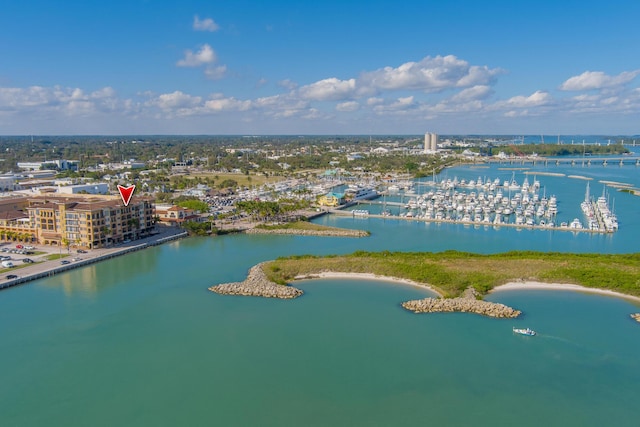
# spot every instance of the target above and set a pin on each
(258, 285)
(298, 232)
(636, 317)
(464, 305)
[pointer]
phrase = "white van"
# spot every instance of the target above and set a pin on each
(7, 264)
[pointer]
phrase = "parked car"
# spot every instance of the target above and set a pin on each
(64, 262)
(27, 260)
(29, 248)
(12, 276)
(82, 251)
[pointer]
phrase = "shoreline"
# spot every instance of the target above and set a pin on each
(531, 285)
(49, 268)
(257, 284)
(368, 276)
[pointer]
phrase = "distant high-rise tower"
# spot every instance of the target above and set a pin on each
(430, 142)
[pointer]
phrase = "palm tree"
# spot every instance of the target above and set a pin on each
(67, 243)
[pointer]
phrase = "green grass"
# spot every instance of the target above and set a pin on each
(56, 256)
(301, 225)
(451, 272)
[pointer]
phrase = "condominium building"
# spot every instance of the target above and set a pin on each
(83, 222)
(89, 222)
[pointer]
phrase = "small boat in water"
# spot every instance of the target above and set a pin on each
(528, 332)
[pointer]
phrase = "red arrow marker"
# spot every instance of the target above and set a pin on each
(126, 193)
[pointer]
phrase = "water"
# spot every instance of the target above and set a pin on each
(138, 340)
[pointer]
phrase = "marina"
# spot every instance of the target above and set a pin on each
(488, 202)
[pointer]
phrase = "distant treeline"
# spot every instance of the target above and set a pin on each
(561, 149)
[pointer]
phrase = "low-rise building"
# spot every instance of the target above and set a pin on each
(174, 215)
(331, 199)
(95, 188)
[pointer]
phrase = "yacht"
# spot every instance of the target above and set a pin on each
(576, 224)
(362, 193)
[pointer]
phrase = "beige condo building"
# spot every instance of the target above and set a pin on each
(76, 221)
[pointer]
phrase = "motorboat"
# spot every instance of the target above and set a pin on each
(524, 331)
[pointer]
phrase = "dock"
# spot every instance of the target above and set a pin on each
(344, 213)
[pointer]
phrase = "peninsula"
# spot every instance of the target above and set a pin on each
(460, 279)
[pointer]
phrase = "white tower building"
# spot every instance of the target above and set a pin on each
(430, 142)
(434, 142)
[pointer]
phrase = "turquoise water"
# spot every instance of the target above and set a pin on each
(138, 340)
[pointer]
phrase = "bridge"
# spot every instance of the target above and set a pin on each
(573, 161)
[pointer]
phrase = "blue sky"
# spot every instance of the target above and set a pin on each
(330, 67)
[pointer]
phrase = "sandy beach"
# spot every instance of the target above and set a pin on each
(512, 286)
(366, 276)
(560, 287)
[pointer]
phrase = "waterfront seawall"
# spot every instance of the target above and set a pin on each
(47, 271)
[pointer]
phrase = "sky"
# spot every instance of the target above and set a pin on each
(328, 67)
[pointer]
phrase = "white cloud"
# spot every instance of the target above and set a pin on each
(205, 55)
(536, 99)
(227, 104)
(215, 73)
(473, 93)
(590, 80)
(206, 24)
(105, 92)
(177, 99)
(68, 101)
(331, 89)
(399, 105)
(374, 101)
(428, 75)
(348, 106)
(287, 84)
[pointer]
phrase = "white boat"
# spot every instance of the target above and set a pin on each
(576, 224)
(360, 193)
(526, 331)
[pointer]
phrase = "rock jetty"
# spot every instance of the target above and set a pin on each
(464, 305)
(636, 317)
(299, 232)
(257, 284)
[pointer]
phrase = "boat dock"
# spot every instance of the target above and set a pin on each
(467, 223)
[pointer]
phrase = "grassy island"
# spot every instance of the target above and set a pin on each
(304, 226)
(451, 272)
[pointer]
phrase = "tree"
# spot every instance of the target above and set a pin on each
(67, 243)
